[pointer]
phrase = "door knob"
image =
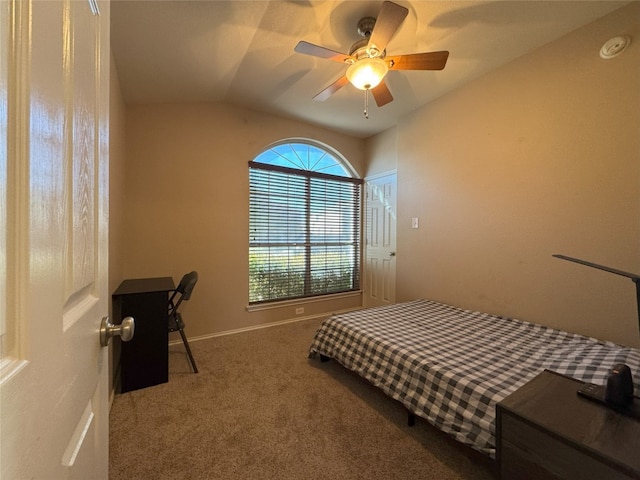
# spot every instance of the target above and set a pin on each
(125, 330)
(392, 254)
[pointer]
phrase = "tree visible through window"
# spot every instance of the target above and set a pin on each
(304, 224)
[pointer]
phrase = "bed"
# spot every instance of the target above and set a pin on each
(451, 366)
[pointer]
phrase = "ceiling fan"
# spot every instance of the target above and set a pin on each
(367, 58)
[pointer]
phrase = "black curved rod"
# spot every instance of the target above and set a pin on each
(633, 276)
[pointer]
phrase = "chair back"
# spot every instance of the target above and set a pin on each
(185, 288)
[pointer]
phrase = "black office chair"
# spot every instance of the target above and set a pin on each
(176, 324)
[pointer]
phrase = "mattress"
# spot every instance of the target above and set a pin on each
(451, 366)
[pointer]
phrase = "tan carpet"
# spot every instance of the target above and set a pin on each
(260, 409)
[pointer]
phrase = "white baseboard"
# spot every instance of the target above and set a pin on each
(258, 327)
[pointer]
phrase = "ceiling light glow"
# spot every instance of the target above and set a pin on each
(367, 73)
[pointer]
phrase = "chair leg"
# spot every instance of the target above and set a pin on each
(186, 346)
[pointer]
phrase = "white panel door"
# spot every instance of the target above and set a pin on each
(380, 240)
(54, 211)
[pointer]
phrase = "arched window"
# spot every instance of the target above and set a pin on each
(304, 224)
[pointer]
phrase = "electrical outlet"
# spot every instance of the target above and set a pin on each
(414, 222)
(299, 310)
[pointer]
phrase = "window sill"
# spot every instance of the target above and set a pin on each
(302, 301)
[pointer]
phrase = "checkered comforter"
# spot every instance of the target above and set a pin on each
(451, 366)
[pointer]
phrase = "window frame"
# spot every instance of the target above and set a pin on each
(355, 258)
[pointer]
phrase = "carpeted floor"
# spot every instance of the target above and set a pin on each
(260, 409)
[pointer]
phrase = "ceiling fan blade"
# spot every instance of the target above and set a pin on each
(418, 61)
(389, 20)
(322, 52)
(381, 94)
(331, 89)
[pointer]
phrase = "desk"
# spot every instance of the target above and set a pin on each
(145, 359)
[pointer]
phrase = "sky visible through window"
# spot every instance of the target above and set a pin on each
(303, 157)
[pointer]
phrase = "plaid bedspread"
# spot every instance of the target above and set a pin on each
(451, 366)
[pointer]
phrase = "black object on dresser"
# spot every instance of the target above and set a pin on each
(145, 358)
(545, 430)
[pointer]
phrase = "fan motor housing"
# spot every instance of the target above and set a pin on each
(365, 26)
(360, 48)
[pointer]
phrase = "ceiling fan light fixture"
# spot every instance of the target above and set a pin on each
(367, 73)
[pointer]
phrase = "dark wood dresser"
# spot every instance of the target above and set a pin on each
(545, 430)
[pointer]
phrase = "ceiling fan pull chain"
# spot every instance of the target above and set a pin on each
(366, 103)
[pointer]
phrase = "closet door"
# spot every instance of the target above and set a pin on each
(380, 240)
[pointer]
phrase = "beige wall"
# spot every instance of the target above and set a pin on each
(537, 158)
(187, 204)
(381, 152)
(117, 157)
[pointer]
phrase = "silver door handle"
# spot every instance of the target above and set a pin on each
(125, 330)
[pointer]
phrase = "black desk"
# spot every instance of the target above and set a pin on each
(144, 359)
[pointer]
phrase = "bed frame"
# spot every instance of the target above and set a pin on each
(411, 418)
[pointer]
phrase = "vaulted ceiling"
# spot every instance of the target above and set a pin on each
(242, 52)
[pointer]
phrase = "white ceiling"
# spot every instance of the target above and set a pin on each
(241, 52)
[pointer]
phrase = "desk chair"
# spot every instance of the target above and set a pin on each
(176, 324)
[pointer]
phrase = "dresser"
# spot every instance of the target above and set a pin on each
(545, 430)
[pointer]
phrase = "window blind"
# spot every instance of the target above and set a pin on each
(304, 233)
